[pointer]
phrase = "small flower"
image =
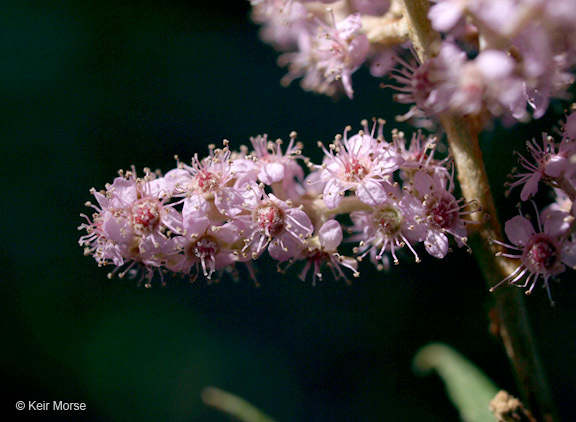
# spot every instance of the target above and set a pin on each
(272, 166)
(549, 163)
(322, 251)
(206, 248)
(442, 213)
(133, 225)
(391, 226)
(275, 224)
(210, 180)
(360, 163)
(543, 254)
(327, 58)
(419, 154)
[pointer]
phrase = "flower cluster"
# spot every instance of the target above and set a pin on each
(231, 207)
(498, 58)
(545, 251)
(325, 45)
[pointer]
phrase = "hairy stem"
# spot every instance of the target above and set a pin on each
(511, 316)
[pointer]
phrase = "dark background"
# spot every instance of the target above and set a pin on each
(88, 88)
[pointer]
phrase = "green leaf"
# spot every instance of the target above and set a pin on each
(233, 405)
(469, 388)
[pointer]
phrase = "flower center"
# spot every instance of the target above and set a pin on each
(541, 254)
(422, 85)
(443, 215)
(389, 220)
(145, 215)
(206, 181)
(205, 247)
(270, 219)
(355, 170)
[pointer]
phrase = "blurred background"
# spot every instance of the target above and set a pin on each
(88, 88)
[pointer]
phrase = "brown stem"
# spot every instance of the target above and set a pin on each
(512, 318)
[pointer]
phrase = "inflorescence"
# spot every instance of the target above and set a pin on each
(378, 196)
(497, 58)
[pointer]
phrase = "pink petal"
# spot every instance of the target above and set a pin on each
(556, 223)
(270, 173)
(330, 235)
(444, 15)
(423, 183)
(116, 229)
(436, 244)
(530, 187)
(371, 193)
(332, 192)
(519, 230)
(195, 224)
(284, 247)
(300, 222)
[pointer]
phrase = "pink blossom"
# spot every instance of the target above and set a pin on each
(327, 58)
(211, 180)
(131, 226)
(322, 251)
(272, 165)
(543, 254)
(360, 163)
(206, 247)
(282, 22)
(391, 226)
(443, 213)
(549, 162)
(275, 224)
(418, 153)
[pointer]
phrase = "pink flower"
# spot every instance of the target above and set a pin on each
(360, 163)
(391, 226)
(133, 225)
(549, 164)
(451, 82)
(206, 248)
(431, 84)
(273, 166)
(442, 212)
(419, 153)
(322, 251)
(210, 180)
(282, 21)
(275, 224)
(543, 254)
(326, 59)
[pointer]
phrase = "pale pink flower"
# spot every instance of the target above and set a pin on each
(206, 248)
(323, 251)
(282, 22)
(211, 179)
(543, 254)
(274, 224)
(133, 225)
(359, 163)
(327, 58)
(391, 226)
(418, 154)
(271, 165)
(442, 213)
(549, 163)
(451, 82)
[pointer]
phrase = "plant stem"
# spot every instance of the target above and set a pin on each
(512, 318)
